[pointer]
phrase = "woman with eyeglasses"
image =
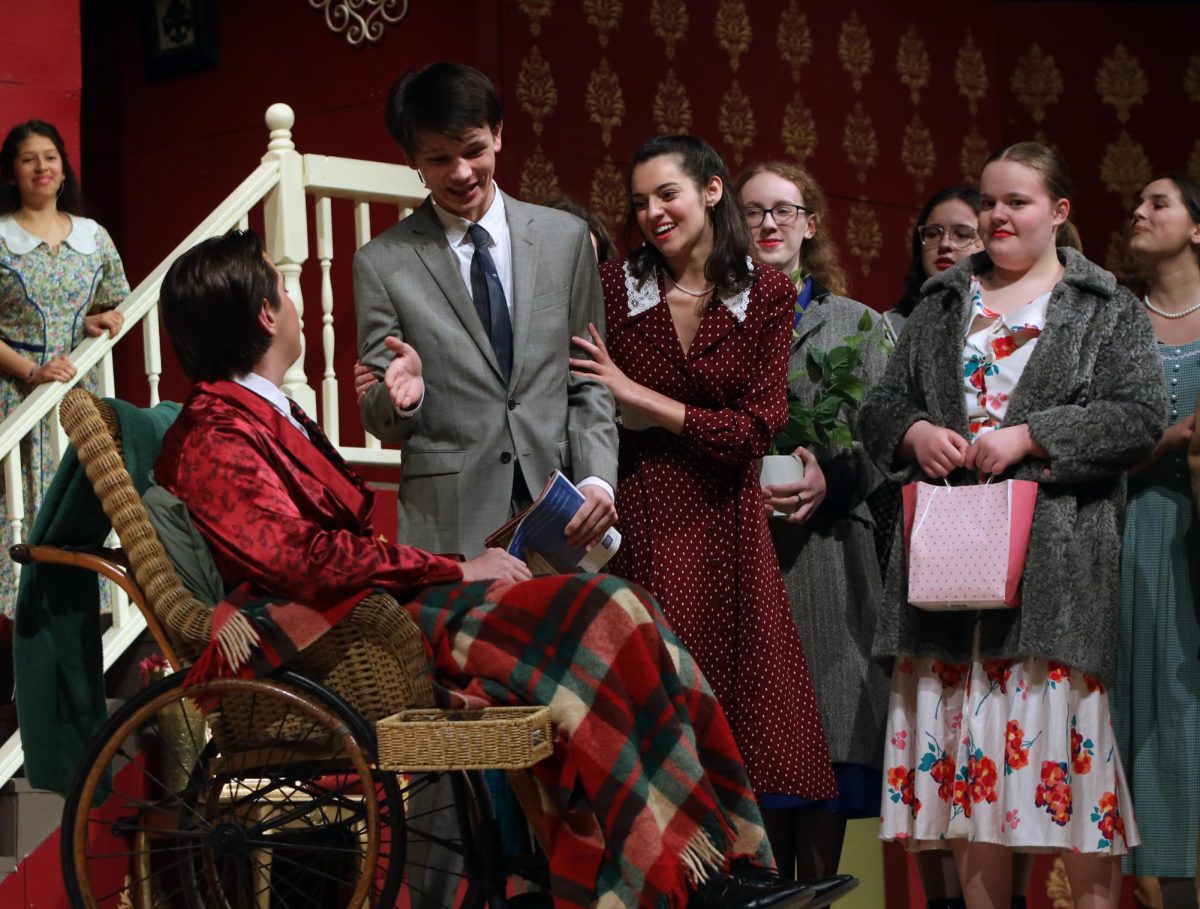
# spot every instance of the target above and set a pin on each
(825, 542)
(1156, 695)
(947, 231)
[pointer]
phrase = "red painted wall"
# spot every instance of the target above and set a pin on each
(40, 72)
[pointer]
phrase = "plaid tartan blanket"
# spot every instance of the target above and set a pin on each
(645, 794)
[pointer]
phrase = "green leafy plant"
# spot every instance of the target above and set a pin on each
(839, 383)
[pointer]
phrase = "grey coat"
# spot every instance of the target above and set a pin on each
(1092, 395)
(829, 563)
(473, 430)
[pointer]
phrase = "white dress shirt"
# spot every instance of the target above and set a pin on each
(495, 222)
(272, 394)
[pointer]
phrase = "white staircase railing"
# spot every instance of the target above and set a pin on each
(281, 183)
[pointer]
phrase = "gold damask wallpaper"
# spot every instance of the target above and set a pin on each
(884, 102)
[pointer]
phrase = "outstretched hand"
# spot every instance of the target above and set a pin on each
(403, 377)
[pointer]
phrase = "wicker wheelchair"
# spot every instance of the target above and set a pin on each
(282, 792)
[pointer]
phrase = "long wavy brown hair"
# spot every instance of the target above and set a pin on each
(818, 255)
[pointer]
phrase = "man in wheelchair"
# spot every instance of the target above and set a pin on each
(647, 800)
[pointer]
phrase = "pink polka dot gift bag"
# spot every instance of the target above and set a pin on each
(966, 545)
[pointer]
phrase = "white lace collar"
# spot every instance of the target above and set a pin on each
(641, 297)
(19, 241)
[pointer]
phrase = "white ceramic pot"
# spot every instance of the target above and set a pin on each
(778, 469)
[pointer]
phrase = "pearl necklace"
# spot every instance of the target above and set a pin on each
(694, 293)
(1161, 312)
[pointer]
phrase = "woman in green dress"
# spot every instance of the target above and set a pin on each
(1156, 695)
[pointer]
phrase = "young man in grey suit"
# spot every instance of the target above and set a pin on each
(465, 311)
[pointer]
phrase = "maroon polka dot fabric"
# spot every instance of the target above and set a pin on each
(691, 514)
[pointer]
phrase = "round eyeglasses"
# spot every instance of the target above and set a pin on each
(960, 235)
(782, 214)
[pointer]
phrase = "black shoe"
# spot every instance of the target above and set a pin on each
(723, 891)
(828, 889)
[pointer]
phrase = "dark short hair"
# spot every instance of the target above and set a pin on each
(210, 299)
(726, 268)
(916, 265)
(446, 98)
(70, 200)
(604, 243)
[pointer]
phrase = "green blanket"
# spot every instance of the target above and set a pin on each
(56, 648)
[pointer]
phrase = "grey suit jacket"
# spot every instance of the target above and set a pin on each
(472, 430)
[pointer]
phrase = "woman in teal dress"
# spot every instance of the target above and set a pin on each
(1156, 696)
(60, 277)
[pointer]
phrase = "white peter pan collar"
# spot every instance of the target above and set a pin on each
(641, 297)
(82, 237)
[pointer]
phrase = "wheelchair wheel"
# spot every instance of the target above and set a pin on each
(274, 801)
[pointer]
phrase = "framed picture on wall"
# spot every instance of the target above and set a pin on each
(179, 37)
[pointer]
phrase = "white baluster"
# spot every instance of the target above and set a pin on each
(107, 381)
(152, 352)
(14, 492)
(58, 436)
(405, 211)
(362, 224)
(329, 386)
(244, 222)
(285, 216)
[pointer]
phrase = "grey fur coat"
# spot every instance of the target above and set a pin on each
(1093, 397)
(829, 563)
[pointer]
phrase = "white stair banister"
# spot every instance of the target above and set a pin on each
(286, 240)
(330, 411)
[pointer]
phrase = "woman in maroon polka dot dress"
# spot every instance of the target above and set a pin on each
(696, 357)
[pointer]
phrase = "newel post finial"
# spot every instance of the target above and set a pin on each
(280, 119)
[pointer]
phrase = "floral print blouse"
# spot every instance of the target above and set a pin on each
(994, 357)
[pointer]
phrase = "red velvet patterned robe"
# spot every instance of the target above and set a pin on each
(278, 513)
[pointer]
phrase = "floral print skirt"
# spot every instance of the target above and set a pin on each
(1016, 753)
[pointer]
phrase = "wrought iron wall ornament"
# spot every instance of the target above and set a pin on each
(360, 20)
(1121, 82)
